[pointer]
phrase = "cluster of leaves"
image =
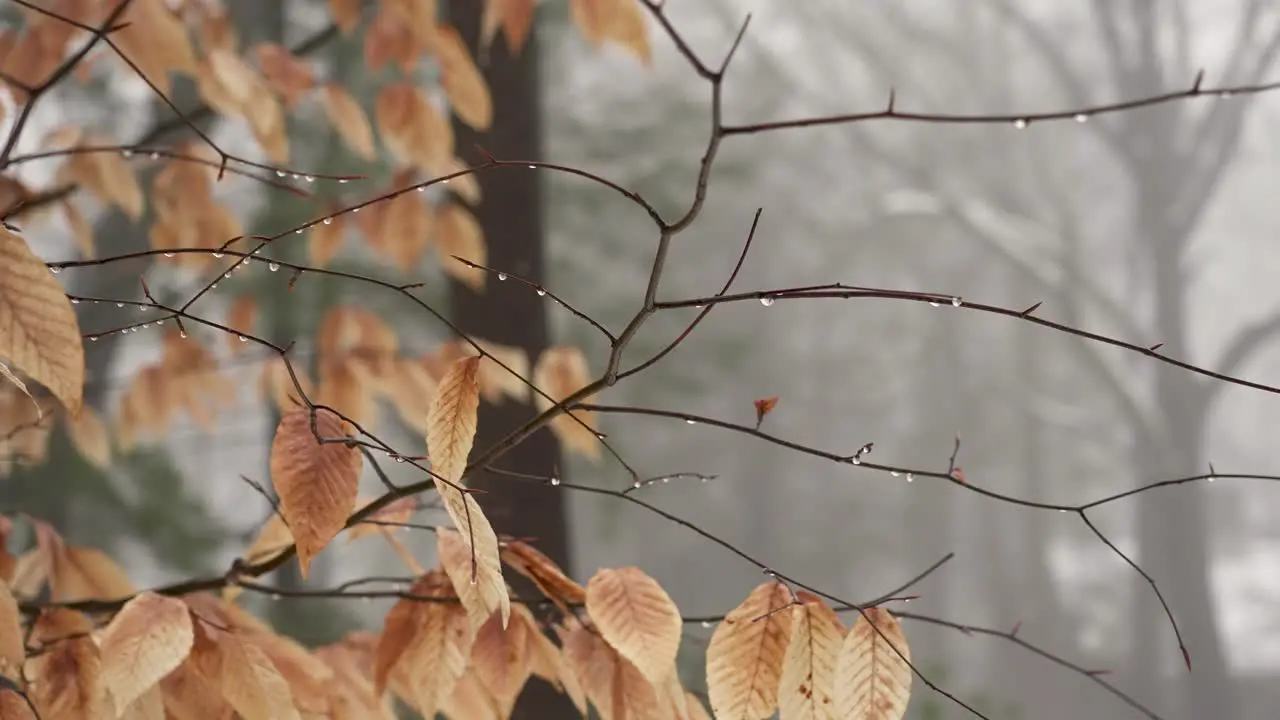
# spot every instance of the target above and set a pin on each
(454, 643)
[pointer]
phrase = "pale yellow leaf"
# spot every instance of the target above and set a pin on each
(424, 645)
(145, 641)
(744, 658)
(808, 668)
(637, 617)
(317, 481)
(873, 676)
(39, 333)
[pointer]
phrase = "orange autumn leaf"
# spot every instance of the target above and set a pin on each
(806, 690)
(12, 638)
(462, 81)
(560, 372)
(764, 406)
(286, 73)
(317, 481)
(873, 672)
(240, 318)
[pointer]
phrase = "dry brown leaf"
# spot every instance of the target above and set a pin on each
(249, 680)
(324, 241)
(471, 701)
(273, 538)
(317, 481)
(451, 429)
(156, 41)
(397, 511)
(346, 14)
(593, 17)
(545, 574)
(462, 81)
(81, 229)
(628, 30)
(406, 231)
(277, 384)
(349, 120)
(423, 648)
(489, 592)
(514, 17)
(809, 666)
(744, 658)
(459, 234)
(388, 39)
(560, 372)
(347, 386)
(240, 318)
(12, 648)
(145, 641)
(617, 689)
(637, 617)
(83, 573)
(39, 333)
(873, 675)
(547, 661)
(285, 73)
(496, 381)
(65, 678)
(464, 186)
(352, 696)
(501, 657)
(88, 434)
(413, 128)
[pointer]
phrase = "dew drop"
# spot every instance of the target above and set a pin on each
(328, 221)
(911, 477)
(273, 267)
(93, 338)
(168, 255)
(1081, 118)
(308, 178)
(555, 481)
(343, 181)
(856, 460)
(473, 579)
(541, 292)
(217, 255)
(55, 270)
(705, 624)
(766, 301)
(1020, 124)
(636, 484)
(533, 167)
(213, 286)
(422, 189)
(119, 304)
(182, 334)
(275, 596)
(355, 210)
(502, 277)
(1211, 478)
(281, 173)
(244, 339)
(126, 154)
(74, 301)
(155, 156)
(666, 479)
(894, 473)
(955, 302)
(691, 421)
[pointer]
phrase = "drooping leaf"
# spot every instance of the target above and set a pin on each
(88, 433)
(484, 596)
(872, 676)
(145, 641)
(39, 333)
(66, 677)
(560, 372)
(12, 646)
(501, 658)
(349, 120)
(462, 81)
(424, 645)
(317, 481)
(451, 429)
(637, 617)
(459, 236)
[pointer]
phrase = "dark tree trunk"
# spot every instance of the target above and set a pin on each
(509, 313)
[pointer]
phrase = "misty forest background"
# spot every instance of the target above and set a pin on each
(1154, 225)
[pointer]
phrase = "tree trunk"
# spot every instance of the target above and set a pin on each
(510, 313)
